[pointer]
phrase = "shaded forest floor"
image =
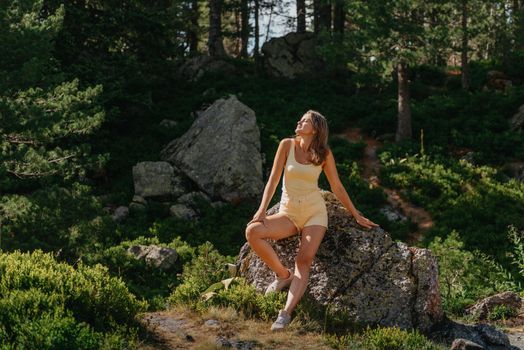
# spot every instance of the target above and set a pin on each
(371, 174)
(218, 328)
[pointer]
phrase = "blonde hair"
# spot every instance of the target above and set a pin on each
(319, 146)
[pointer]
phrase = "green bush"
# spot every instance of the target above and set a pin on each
(465, 277)
(207, 268)
(383, 338)
(501, 312)
(51, 305)
(474, 200)
(147, 281)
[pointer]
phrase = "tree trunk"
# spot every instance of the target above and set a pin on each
(404, 108)
(256, 49)
(244, 36)
(301, 16)
(464, 52)
(325, 17)
(215, 44)
(340, 18)
(193, 30)
(316, 12)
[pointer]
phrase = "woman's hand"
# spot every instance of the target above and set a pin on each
(362, 221)
(260, 215)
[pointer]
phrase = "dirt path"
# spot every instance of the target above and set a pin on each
(217, 328)
(371, 173)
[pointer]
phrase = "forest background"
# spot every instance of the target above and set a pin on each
(85, 85)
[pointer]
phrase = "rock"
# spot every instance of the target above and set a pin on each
(190, 199)
(139, 199)
(392, 214)
(517, 121)
(292, 55)
(120, 214)
(224, 342)
(484, 335)
(498, 81)
(181, 211)
(156, 179)
(168, 123)
(136, 207)
(514, 170)
(221, 152)
(468, 157)
(212, 323)
(161, 257)
(375, 280)
(482, 308)
(195, 68)
(218, 204)
(464, 344)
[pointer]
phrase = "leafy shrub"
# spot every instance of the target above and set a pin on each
(501, 312)
(474, 200)
(147, 281)
(51, 305)
(383, 338)
(207, 268)
(465, 276)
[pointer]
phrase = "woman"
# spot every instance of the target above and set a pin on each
(302, 208)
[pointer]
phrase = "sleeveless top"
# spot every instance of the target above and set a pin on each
(299, 179)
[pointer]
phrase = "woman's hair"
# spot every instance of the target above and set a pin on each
(319, 147)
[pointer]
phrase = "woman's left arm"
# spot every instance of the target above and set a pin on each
(330, 169)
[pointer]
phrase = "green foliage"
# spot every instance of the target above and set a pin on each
(245, 298)
(474, 200)
(51, 305)
(501, 312)
(56, 218)
(465, 276)
(46, 121)
(147, 281)
(383, 338)
(207, 268)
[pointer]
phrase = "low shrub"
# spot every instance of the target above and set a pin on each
(50, 305)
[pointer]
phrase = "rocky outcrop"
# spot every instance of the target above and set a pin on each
(475, 336)
(482, 308)
(156, 179)
(517, 121)
(220, 152)
(292, 55)
(195, 68)
(361, 272)
(160, 257)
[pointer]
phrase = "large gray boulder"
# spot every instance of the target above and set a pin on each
(292, 55)
(517, 121)
(152, 179)
(160, 257)
(196, 67)
(363, 272)
(221, 151)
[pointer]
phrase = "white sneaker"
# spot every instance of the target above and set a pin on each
(282, 321)
(278, 284)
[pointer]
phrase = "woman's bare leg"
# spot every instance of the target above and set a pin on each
(310, 241)
(278, 227)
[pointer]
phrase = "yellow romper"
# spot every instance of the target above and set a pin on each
(301, 200)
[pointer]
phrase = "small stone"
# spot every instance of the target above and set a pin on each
(212, 323)
(464, 344)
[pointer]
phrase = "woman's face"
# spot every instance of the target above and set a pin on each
(305, 125)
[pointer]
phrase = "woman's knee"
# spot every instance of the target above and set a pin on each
(304, 259)
(252, 231)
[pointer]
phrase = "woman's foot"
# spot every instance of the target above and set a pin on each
(280, 283)
(282, 321)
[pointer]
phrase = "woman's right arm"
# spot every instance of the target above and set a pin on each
(272, 182)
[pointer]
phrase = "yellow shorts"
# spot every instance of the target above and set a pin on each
(306, 210)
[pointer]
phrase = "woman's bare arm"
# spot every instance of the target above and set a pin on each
(276, 173)
(330, 169)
